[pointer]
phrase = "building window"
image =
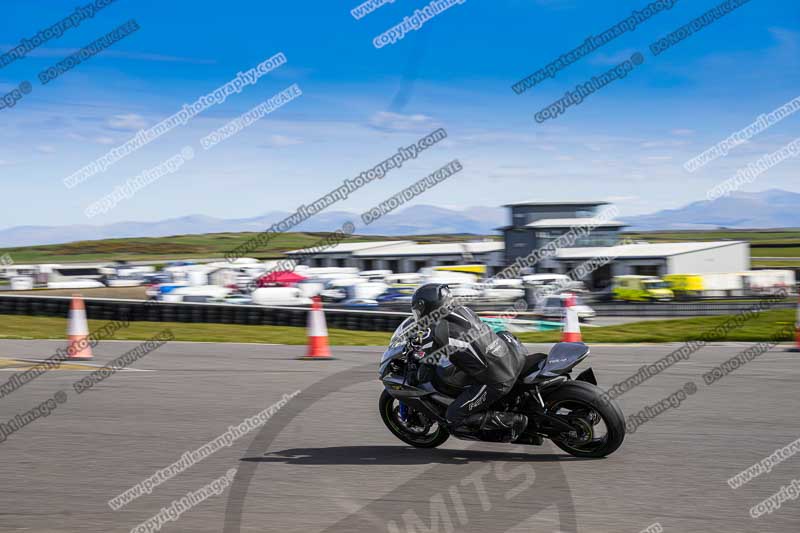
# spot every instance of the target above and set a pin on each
(366, 264)
(598, 238)
(647, 270)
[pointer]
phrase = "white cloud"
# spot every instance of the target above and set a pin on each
(512, 172)
(144, 56)
(682, 131)
(45, 149)
(3, 162)
(280, 141)
(388, 121)
(102, 139)
(663, 144)
(127, 122)
(788, 41)
(615, 58)
(621, 198)
(546, 147)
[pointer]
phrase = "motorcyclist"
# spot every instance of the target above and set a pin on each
(472, 346)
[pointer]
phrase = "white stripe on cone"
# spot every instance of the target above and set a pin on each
(316, 324)
(79, 346)
(572, 327)
(77, 322)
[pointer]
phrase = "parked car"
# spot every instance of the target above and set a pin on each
(279, 296)
(554, 307)
(642, 289)
(333, 295)
(21, 283)
(506, 290)
(396, 295)
(360, 302)
(237, 299)
(158, 291)
(198, 293)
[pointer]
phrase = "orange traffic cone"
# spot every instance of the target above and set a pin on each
(79, 348)
(317, 332)
(572, 328)
(796, 347)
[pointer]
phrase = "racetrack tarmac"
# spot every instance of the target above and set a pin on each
(325, 462)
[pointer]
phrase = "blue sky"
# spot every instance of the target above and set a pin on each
(626, 143)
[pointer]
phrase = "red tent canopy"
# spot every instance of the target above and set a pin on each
(284, 278)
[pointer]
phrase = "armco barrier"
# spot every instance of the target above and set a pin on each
(139, 310)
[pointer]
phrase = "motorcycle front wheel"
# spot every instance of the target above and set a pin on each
(412, 427)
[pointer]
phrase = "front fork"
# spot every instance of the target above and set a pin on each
(403, 412)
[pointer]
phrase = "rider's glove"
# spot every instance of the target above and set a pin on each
(419, 342)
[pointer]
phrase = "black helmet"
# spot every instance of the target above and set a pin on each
(428, 298)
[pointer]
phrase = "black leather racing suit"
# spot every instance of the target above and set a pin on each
(475, 349)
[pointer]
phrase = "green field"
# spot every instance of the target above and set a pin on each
(789, 236)
(211, 245)
(775, 251)
(776, 264)
(679, 330)
(763, 243)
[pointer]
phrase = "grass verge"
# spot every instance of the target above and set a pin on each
(38, 327)
(677, 330)
(756, 329)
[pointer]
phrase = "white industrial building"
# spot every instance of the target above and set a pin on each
(640, 258)
(340, 255)
(660, 259)
(405, 256)
(535, 225)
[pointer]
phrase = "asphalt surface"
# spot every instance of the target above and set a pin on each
(325, 462)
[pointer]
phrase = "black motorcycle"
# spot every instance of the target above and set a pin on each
(569, 412)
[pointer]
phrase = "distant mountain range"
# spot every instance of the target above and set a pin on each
(774, 208)
(416, 220)
(768, 209)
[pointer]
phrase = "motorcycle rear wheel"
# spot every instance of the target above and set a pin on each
(585, 401)
(389, 408)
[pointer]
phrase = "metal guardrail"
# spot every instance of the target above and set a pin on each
(211, 313)
(353, 319)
